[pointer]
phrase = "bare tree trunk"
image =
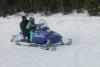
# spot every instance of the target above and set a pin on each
(30, 1)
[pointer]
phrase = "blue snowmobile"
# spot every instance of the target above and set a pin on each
(43, 37)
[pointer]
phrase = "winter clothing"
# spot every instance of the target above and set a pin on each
(31, 35)
(31, 27)
(23, 25)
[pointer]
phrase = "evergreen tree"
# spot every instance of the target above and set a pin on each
(49, 7)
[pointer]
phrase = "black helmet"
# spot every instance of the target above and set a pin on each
(31, 19)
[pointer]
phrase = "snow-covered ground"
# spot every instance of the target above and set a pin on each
(84, 51)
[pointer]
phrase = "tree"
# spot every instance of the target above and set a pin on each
(48, 7)
(92, 6)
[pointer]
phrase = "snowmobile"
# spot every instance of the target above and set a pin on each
(43, 37)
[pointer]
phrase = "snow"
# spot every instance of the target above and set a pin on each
(82, 29)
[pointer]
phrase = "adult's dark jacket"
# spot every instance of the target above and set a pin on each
(23, 24)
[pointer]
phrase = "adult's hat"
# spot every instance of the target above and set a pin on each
(23, 17)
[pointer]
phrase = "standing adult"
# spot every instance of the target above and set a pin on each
(23, 28)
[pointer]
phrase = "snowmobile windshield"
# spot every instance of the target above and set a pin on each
(43, 22)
